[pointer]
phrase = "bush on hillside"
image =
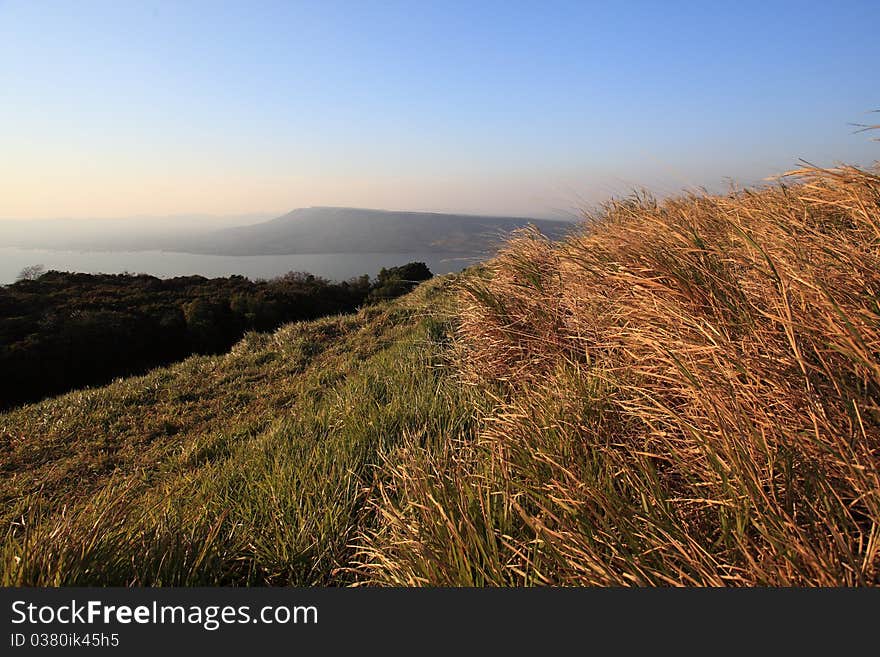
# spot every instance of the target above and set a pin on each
(396, 281)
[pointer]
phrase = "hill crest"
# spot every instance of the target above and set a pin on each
(331, 229)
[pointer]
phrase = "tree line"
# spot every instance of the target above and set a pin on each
(60, 330)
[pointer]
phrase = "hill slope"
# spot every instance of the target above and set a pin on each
(354, 230)
(688, 394)
(243, 468)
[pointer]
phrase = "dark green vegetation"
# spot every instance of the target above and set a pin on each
(61, 331)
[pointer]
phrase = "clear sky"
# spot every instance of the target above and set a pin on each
(156, 108)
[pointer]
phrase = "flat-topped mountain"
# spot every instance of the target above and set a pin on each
(356, 230)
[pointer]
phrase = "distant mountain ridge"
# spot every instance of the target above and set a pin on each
(359, 230)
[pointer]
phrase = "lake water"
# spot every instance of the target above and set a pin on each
(166, 264)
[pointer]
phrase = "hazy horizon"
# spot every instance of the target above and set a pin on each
(158, 108)
(245, 218)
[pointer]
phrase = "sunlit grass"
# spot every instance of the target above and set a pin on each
(264, 476)
(689, 396)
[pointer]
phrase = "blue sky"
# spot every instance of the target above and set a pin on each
(127, 108)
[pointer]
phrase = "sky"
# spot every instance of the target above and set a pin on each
(111, 109)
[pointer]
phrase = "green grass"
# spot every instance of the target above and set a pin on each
(247, 468)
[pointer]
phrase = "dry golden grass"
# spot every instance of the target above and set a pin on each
(684, 394)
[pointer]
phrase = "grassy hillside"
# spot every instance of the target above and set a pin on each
(246, 468)
(686, 393)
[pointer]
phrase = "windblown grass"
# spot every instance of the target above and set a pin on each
(685, 394)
